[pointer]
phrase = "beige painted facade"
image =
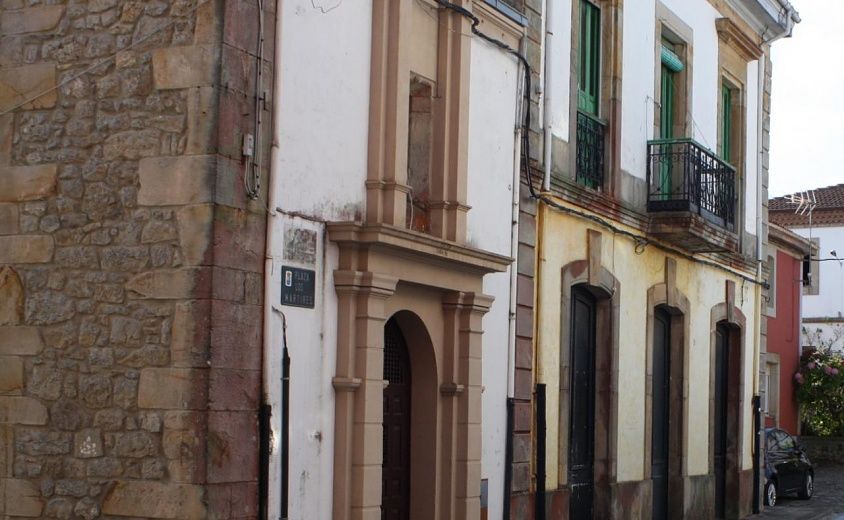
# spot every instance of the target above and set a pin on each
(636, 279)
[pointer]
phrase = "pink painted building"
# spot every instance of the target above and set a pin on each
(785, 258)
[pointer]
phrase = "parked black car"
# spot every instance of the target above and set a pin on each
(787, 468)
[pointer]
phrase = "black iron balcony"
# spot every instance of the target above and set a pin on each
(590, 150)
(691, 194)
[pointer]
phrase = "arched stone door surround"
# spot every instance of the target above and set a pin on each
(668, 297)
(590, 275)
(437, 302)
(731, 321)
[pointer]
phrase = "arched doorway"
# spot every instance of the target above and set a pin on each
(395, 472)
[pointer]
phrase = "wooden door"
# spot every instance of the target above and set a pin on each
(722, 362)
(395, 471)
(581, 454)
(660, 413)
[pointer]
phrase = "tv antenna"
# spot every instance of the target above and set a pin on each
(806, 203)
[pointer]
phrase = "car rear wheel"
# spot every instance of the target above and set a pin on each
(808, 487)
(770, 494)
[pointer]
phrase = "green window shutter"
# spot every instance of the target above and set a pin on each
(590, 57)
(666, 127)
(666, 109)
(726, 121)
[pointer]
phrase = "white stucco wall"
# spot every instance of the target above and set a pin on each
(494, 78)
(324, 108)
(829, 302)
(323, 120)
(752, 146)
(560, 68)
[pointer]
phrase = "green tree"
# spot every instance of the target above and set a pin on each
(820, 384)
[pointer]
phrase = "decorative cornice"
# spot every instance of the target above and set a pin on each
(732, 35)
(414, 243)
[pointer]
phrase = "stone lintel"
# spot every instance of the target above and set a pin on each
(19, 84)
(29, 20)
(26, 249)
(173, 388)
(20, 341)
(176, 180)
(154, 500)
(24, 183)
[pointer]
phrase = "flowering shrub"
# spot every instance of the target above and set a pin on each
(820, 390)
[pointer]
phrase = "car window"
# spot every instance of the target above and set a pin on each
(772, 442)
(785, 441)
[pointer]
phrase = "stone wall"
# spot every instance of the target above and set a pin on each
(130, 259)
(824, 449)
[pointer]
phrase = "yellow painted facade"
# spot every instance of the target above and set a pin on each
(563, 240)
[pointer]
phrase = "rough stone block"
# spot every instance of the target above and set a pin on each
(232, 446)
(11, 297)
(7, 130)
(23, 183)
(26, 249)
(191, 334)
(202, 120)
(33, 19)
(236, 335)
(19, 84)
(234, 389)
(155, 500)
(171, 284)
(239, 239)
(9, 215)
(88, 444)
(209, 22)
(20, 341)
(11, 374)
(173, 388)
(185, 67)
(22, 410)
(195, 227)
(21, 497)
(176, 180)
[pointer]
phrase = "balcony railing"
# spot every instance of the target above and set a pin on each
(590, 150)
(685, 176)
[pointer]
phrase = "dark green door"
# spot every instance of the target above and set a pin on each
(660, 413)
(582, 407)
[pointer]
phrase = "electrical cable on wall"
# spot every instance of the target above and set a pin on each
(640, 242)
(252, 175)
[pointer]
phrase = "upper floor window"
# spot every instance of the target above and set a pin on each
(591, 131)
(729, 128)
(589, 71)
(811, 271)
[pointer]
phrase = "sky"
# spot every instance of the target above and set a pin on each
(807, 101)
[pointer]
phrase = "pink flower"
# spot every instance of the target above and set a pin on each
(811, 365)
(834, 371)
(799, 378)
(828, 370)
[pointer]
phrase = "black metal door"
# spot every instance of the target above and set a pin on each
(722, 361)
(395, 472)
(582, 420)
(660, 413)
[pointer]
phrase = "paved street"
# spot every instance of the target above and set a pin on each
(827, 504)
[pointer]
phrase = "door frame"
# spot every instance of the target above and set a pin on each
(593, 276)
(729, 316)
(666, 295)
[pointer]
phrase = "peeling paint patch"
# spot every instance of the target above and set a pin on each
(300, 245)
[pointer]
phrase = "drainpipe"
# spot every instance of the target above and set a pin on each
(514, 275)
(790, 19)
(272, 442)
(546, 93)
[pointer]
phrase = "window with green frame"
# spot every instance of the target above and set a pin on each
(726, 121)
(589, 76)
(671, 67)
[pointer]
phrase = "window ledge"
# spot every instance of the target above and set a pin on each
(509, 11)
